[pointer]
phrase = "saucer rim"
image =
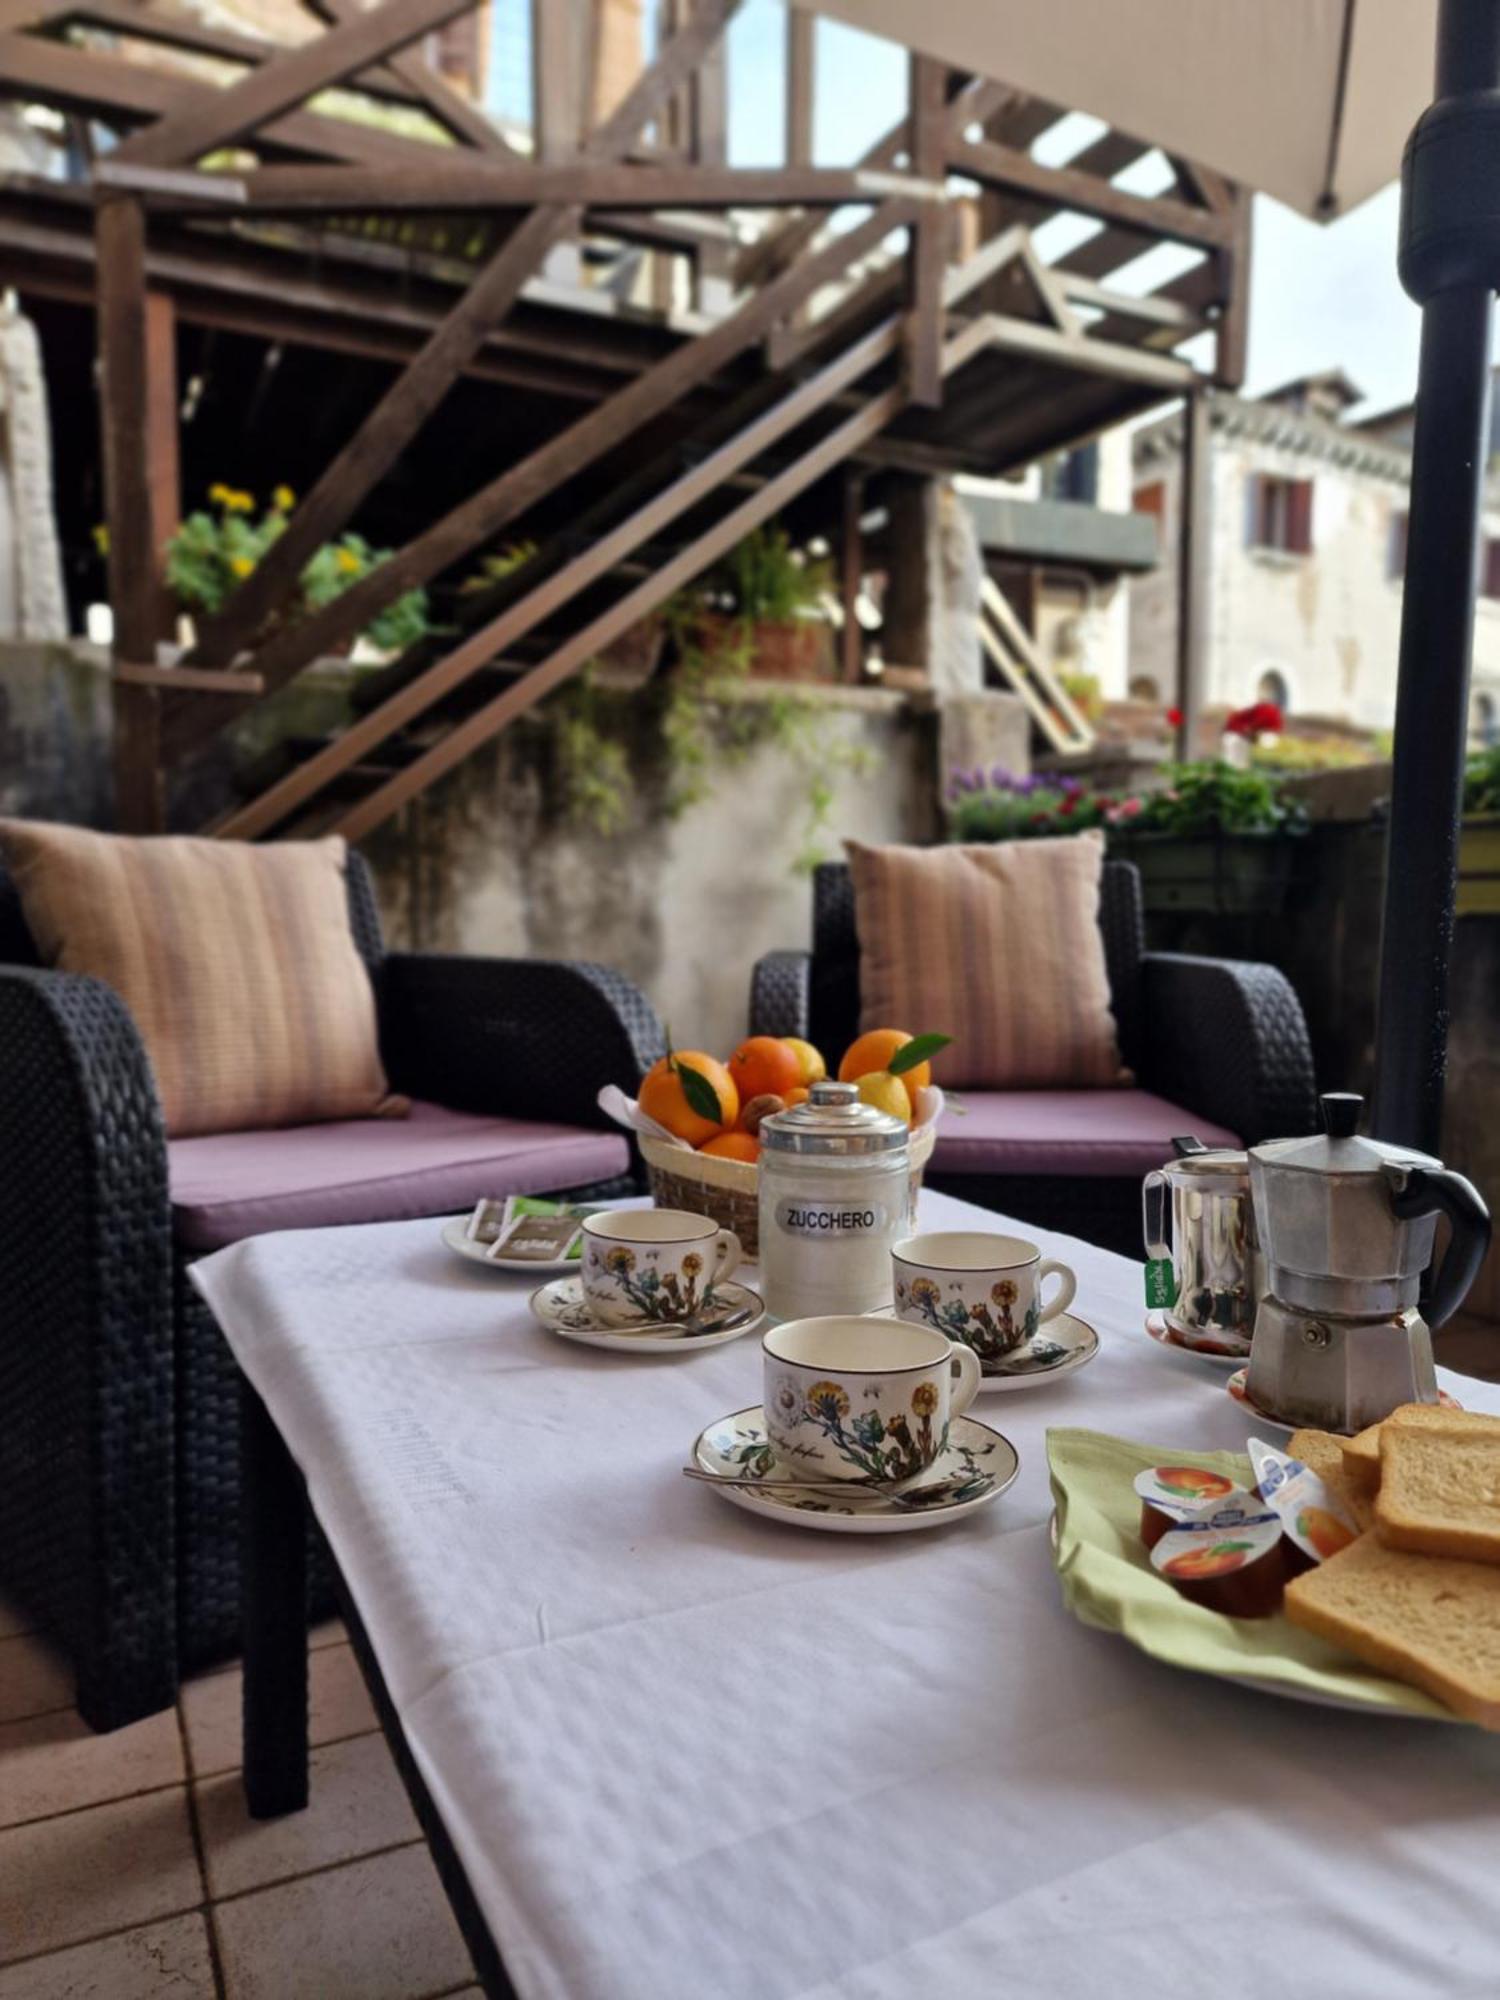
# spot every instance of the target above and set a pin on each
(1076, 1358)
(652, 1336)
(885, 1523)
(1193, 1353)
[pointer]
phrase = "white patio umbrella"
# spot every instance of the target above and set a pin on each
(1311, 101)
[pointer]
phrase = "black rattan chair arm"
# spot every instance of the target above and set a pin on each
(1228, 1039)
(780, 993)
(515, 1037)
(86, 1340)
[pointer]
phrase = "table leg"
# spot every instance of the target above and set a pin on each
(273, 1544)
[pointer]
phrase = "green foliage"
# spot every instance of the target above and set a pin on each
(1482, 781)
(212, 553)
(1210, 796)
(765, 580)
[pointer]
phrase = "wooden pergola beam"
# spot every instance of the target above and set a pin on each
(1004, 167)
(482, 516)
(389, 427)
(927, 255)
(463, 183)
(215, 118)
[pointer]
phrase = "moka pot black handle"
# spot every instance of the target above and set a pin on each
(1439, 1191)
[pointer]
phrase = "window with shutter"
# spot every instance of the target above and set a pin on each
(1281, 514)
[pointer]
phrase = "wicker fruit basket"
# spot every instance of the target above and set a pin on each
(728, 1191)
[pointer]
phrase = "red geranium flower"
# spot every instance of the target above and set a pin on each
(1174, 717)
(1262, 718)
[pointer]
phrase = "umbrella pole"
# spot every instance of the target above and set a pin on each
(1449, 262)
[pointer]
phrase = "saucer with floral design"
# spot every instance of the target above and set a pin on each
(562, 1309)
(975, 1466)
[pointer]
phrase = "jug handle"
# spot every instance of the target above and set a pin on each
(1154, 1215)
(1419, 1191)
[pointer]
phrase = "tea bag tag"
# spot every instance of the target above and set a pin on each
(1161, 1284)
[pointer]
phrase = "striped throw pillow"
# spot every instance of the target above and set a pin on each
(237, 963)
(997, 946)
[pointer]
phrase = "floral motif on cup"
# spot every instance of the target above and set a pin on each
(638, 1282)
(990, 1326)
(880, 1446)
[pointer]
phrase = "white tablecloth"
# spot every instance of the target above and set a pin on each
(684, 1751)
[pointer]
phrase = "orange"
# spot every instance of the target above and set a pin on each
(798, 1096)
(733, 1146)
(813, 1066)
(874, 1050)
(663, 1098)
(884, 1091)
(765, 1067)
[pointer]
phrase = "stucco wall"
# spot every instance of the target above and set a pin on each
(1328, 623)
(684, 904)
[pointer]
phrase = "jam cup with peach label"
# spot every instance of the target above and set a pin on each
(1313, 1519)
(1234, 1567)
(1173, 1495)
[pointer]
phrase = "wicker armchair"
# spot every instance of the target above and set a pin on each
(119, 1438)
(1217, 1047)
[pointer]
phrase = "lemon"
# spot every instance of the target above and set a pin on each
(814, 1069)
(886, 1093)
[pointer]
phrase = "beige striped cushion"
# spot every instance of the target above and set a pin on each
(997, 946)
(237, 963)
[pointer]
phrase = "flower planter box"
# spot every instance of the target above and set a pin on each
(1232, 874)
(1479, 866)
(794, 649)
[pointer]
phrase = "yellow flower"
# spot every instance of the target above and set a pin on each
(924, 1398)
(101, 539)
(220, 492)
(237, 502)
(349, 562)
(241, 565)
(284, 499)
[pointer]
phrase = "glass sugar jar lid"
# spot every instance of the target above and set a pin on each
(835, 1122)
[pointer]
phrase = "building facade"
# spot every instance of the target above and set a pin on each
(1307, 525)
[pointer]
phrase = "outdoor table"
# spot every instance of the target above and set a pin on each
(662, 1747)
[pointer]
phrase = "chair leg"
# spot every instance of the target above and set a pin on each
(273, 1507)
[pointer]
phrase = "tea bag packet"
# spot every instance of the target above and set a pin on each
(1314, 1520)
(487, 1221)
(536, 1232)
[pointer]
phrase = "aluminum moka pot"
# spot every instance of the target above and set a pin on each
(1347, 1226)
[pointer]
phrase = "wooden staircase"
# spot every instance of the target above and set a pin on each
(829, 345)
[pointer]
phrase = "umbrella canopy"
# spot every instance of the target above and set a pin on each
(1307, 100)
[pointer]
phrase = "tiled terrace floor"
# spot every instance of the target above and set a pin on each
(130, 1871)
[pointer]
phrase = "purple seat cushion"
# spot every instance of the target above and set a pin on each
(1103, 1133)
(233, 1184)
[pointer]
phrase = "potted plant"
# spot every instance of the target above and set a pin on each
(216, 548)
(1479, 840)
(1212, 840)
(1004, 805)
(761, 606)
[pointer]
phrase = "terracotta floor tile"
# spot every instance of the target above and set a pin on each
(12, 1621)
(167, 1961)
(32, 1679)
(338, 1706)
(56, 1763)
(378, 1929)
(356, 1804)
(63, 1880)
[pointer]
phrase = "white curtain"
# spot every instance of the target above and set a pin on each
(32, 603)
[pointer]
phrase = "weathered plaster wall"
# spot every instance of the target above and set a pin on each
(1327, 622)
(55, 718)
(685, 905)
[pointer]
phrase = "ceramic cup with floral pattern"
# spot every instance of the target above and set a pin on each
(983, 1290)
(643, 1265)
(866, 1399)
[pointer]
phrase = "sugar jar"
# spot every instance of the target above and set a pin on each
(835, 1194)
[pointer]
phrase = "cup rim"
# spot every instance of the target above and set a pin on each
(901, 1252)
(596, 1226)
(850, 1319)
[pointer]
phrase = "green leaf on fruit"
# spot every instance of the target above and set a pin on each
(699, 1092)
(920, 1049)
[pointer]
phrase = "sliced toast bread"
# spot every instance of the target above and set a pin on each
(1428, 1620)
(1440, 1489)
(1323, 1451)
(1362, 1452)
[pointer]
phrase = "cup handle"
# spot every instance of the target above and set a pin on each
(967, 1376)
(729, 1253)
(1062, 1298)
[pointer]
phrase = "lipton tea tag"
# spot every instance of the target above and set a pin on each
(1161, 1284)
